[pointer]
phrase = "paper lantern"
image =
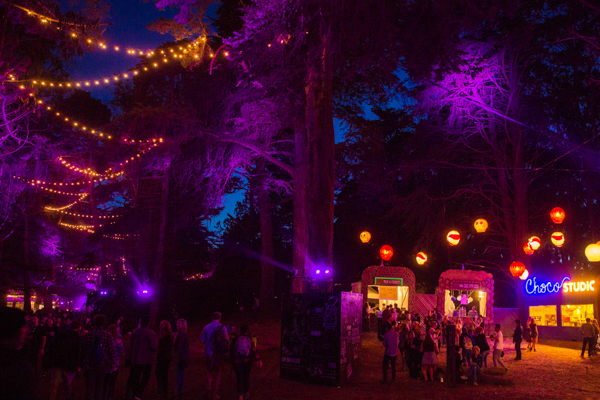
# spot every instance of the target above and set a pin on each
(592, 252)
(525, 275)
(527, 249)
(386, 252)
(421, 258)
(365, 237)
(557, 215)
(481, 225)
(517, 268)
(558, 239)
(453, 298)
(453, 238)
(534, 242)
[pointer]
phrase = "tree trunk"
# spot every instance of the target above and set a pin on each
(300, 243)
(160, 252)
(27, 271)
(267, 276)
(319, 163)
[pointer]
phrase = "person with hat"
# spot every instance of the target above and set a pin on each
(17, 378)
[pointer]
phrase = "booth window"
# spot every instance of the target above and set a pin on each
(575, 315)
(543, 315)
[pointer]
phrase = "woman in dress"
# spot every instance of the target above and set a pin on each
(430, 351)
(164, 355)
(527, 333)
(533, 332)
(182, 355)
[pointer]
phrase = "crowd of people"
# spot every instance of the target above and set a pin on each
(34, 345)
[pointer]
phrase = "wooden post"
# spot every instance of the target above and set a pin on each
(450, 334)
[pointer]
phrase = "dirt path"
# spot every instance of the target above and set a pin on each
(550, 373)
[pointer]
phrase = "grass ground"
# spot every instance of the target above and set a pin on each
(549, 373)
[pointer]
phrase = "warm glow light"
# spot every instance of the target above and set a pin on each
(592, 252)
(527, 249)
(365, 237)
(534, 242)
(558, 239)
(453, 237)
(573, 287)
(421, 258)
(517, 268)
(525, 275)
(557, 215)
(481, 225)
(386, 252)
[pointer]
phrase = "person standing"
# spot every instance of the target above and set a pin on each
(498, 338)
(390, 343)
(243, 354)
(533, 332)
(97, 357)
(182, 355)
(38, 342)
(481, 342)
(466, 344)
(527, 333)
(587, 331)
(517, 339)
(413, 354)
(164, 356)
(142, 347)
(111, 378)
(595, 338)
(214, 352)
(430, 351)
(65, 359)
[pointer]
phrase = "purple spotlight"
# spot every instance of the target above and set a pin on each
(144, 291)
(318, 271)
(326, 271)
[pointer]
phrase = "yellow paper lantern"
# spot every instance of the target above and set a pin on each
(421, 258)
(525, 275)
(592, 252)
(558, 239)
(453, 238)
(481, 225)
(534, 242)
(365, 237)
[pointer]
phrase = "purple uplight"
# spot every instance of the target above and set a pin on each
(318, 271)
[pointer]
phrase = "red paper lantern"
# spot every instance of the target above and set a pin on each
(517, 268)
(557, 215)
(527, 249)
(386, 252)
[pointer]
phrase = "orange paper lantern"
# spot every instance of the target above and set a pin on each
(386, 252)
(534, 242)
(517, 268)
(365, 237)
(558, 239)
(453, 238)
(421, 258)
(557, 215)
(592, 252)
(481, 225)
(527, 249)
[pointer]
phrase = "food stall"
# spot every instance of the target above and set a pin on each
(460, 290)
(560, 305)
(383, 285)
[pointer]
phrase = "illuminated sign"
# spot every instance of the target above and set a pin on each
(389, 281)
(587, 286)
(532, 287)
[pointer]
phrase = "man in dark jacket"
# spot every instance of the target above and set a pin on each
(97, 357)
(17, 381)
(142, 347)
(65, 358)
(518, 338)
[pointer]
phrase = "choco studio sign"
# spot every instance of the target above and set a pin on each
(532, 286)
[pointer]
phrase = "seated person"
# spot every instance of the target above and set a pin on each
(475, 367)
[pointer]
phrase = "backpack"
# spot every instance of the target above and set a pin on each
(221, 342)
(243, 347)
(96, 351)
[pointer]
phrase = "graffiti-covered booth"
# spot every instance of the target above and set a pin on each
(320, 337)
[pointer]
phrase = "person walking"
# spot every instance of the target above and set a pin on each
(216, 343)
(164, 356)
(481, 342)
(587, 330)
(498, 339)
(17, 377)
(142, 347)
(182, 355)
(243, 354)
(390, 343)
(97, 357)
(533, 332)
(111, 378)
(517, 339)
(65, 359)
(430, 351)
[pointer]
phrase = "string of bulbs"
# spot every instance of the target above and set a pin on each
(67, 206)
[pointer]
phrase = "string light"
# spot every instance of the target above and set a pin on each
(120, 236)
(37, 183)
(87, 215)
(67, 206)
(87, 228)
